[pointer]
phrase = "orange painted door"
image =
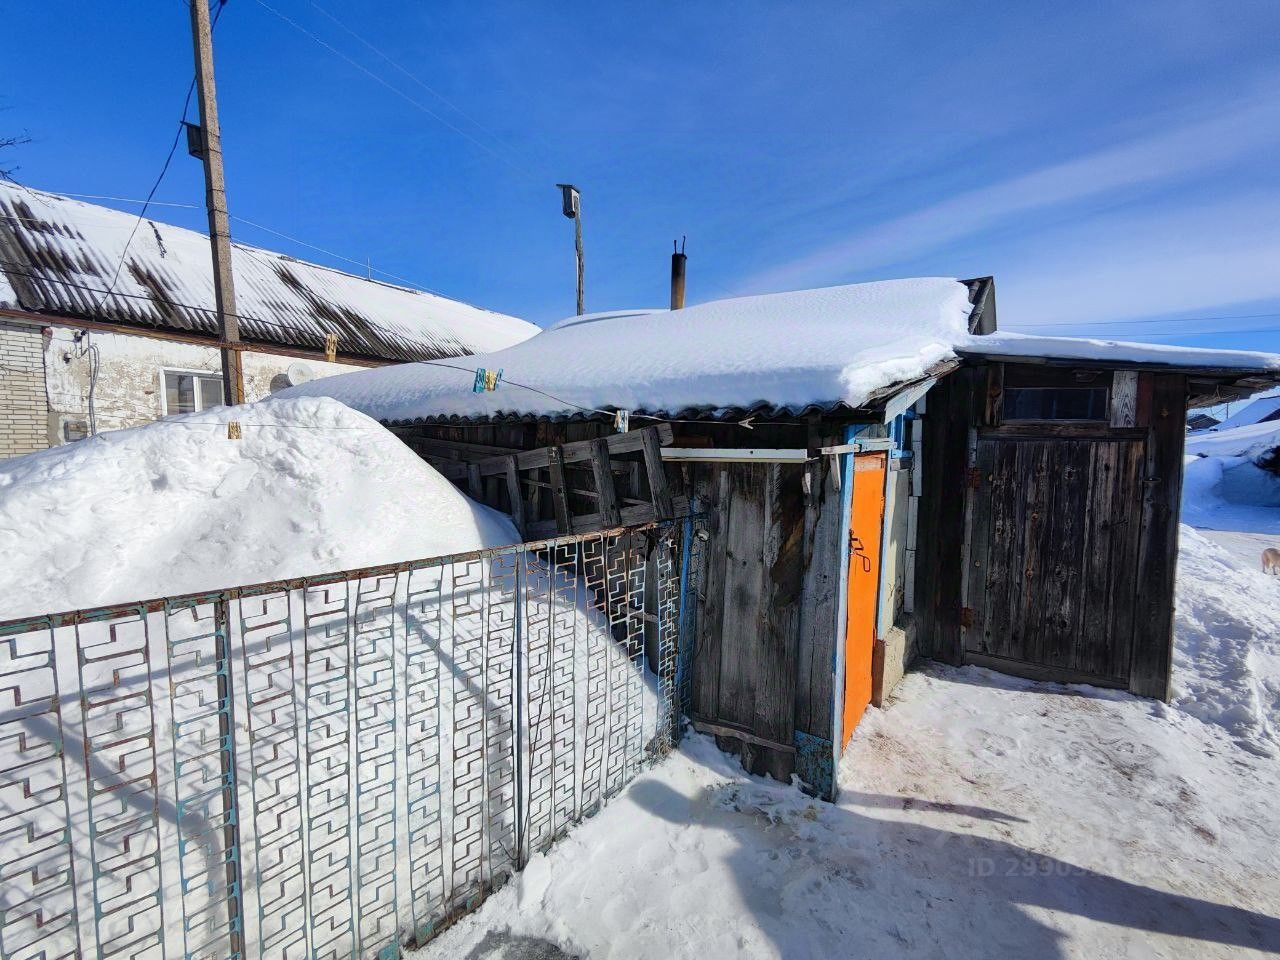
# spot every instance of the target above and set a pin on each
(866, 520)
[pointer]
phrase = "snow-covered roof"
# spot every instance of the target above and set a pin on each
(785, 350)
(1262, 410)
(1250, 440)
(58, 256)
(785, 353)
(1017, 345)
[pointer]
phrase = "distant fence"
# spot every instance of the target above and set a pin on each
(330, 766)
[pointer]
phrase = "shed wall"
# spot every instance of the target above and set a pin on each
(1147, 409)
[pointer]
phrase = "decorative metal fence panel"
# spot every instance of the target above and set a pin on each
(333, 766)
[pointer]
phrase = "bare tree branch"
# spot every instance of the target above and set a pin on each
(6, 173)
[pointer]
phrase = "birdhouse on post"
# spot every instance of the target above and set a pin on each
(571, 200)
(571, 206)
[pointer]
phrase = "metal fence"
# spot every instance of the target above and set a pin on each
(329, 766)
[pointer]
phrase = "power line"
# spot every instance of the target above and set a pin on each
(154, 203)
(470, 371)
(413, 284)
(394, 89)
(1121, 323)
(431, 90)
(363, 264)
(186, 105)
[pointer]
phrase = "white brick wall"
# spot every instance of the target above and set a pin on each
(24, 409)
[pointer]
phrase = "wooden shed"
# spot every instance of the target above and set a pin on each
(1013, 504)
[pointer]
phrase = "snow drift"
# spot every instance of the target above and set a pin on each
(176, 507)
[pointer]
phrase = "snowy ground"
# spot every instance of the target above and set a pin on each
(981, 816)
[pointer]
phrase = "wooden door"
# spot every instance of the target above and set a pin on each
(1052, 570)
(865, 523)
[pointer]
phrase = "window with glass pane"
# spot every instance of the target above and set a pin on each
(1055, 403)
(188, 392)
(210, 392)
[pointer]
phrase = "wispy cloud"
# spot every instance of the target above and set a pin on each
(1184, 261)
(1247, 127)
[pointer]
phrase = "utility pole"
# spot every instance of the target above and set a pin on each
(215, 199)
(571, 205)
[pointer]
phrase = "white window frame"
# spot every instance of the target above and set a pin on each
(185, 372)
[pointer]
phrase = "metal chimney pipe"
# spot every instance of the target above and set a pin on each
(678, 260)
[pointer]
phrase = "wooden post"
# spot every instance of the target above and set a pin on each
(224, 294)
(610, 516)
(659, 492)
(577, 247)
(513, 492)
(559, 499)
(571, 206)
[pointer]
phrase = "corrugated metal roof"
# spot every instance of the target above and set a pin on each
(60, 256)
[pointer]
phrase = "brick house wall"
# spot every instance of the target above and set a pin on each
(24, 406)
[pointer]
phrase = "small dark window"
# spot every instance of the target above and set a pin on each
(1055, 403)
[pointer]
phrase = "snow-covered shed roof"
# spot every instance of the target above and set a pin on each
(784, 354)
(58, 257)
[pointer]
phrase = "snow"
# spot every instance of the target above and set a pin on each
(1251, 440)
(8, 298)
(176, 507)
(279, 298)
(1226, 667)
(1224, 488)
(981, 817)
(312, 486)
(1255, 412)
(1119, 351)
(784, 351)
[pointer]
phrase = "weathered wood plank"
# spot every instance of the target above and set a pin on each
(818, 630)
(711, 485)
(474, 485)
(591, 522)
(559, 497)
(608, 495)
(986, 527)
(1158, 543)
(659, 489)
(744, 594)
(1124, 398)
(1040, 430)
(782, 599)
(516, 495)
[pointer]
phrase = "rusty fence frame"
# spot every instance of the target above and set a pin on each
(333, 765)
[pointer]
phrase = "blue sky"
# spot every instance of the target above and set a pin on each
(1114, 165)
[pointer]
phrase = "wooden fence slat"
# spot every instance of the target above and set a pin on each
(515, 494)
(559, 499)
(659, 491)
(604, 482)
